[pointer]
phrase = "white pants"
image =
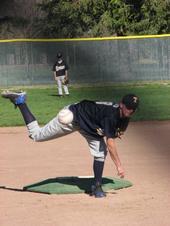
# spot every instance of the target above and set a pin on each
(56, 129)
(60, 85)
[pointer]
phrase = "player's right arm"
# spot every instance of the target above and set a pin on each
(111, 146)
(54, 71)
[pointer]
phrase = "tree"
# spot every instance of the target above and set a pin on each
(70, 18)
(152, 17)
(83, 18)
(90, 18)
(18, 18)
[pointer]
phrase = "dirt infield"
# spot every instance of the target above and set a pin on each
(145, 154)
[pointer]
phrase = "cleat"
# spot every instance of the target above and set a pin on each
(17, 98)
(97, 191)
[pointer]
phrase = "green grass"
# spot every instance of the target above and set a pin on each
(44, 104)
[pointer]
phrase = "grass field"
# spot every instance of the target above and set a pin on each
(44, 103)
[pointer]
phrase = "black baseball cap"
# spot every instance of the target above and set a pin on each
(131, 101)
(59, 55)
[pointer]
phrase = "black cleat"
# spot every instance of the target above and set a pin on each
(97, 191)
(16, 98)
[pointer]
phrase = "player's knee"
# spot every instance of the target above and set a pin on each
(65, 116)
(99, 159)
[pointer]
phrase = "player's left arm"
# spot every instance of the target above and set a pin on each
(111, 146)
(66, 73)
(66, 70)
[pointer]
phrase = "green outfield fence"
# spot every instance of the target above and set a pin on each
(91, 60)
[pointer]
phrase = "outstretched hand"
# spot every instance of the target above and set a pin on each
(121, 172)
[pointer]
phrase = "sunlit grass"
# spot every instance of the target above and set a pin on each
(44, 103)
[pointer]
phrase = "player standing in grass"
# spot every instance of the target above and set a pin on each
(60, 70)
(100, 123)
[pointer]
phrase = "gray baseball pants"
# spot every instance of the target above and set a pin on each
(55, 129)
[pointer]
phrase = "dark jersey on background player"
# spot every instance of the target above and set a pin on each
(60, 67)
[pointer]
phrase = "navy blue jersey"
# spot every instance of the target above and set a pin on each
(60, 68)
(99, 119)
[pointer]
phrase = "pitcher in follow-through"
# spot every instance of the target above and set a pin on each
(100, 123)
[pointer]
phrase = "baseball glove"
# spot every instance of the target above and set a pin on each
(65, 81)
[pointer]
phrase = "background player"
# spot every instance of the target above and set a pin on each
(100, 123)
(60, 70)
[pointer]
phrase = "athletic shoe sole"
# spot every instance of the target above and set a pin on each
(15, 97)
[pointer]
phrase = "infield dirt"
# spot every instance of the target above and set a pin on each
(145, 155)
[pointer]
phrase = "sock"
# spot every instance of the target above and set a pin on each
(27, 115)
(98, 171)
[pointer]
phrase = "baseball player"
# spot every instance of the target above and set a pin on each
(60, 70)
(100, 123)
